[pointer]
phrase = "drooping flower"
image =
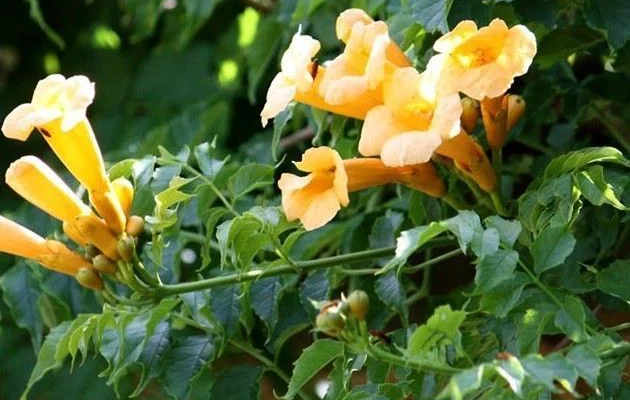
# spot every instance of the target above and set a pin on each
(482, 62)
(57, 111)
(316, 198)
(299, 80)
(32, 179)
(22, 242)
(370, 56)
(413, 122)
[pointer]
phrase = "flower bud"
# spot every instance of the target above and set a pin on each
(359, 302)
(90, 279)
(126, 248)
(104, 265)
(124, 192)
(494, 113)
(470, 114)
(92, 251)
(135, 226)
(330, 322)
(516, 109)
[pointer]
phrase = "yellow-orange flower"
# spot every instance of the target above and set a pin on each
(413, 122)
(369, 57)
(57, 110)
(470, 158)
(482, 62)
(316, 198)
(19, 241)
(32, 179)
(300, 79)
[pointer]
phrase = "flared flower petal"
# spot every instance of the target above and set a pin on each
(409, 148)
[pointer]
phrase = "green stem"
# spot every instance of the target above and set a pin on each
(620, 350)
(378, 353)
(274, 271)
(270, 365)
(497, 202)
(216, 190)
(548, 292)
(535, 146)
(434, 260)
(618, 328)
(497, 165)
(454, 203)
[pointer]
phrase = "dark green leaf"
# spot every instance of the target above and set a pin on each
(250, 177)
(240, 382)
(494, 269)
(613, 16)
(432, 14)
(390, 291)
(184, 362)
(615, 279)
(551, 248)
(571, 319)
(562, 42)
(226, 307)
(264, 296)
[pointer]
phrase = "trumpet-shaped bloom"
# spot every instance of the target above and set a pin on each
(316, 198)
(300, 79)
(483, 62)
(413, 122)
(124, 192)
(39, 185)
(19, 241)
(470, 158)
(369, 57)
(57, 111)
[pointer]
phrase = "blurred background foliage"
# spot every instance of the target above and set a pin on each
(181, 72)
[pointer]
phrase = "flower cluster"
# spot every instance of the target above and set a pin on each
(58, 112)
(410, 118)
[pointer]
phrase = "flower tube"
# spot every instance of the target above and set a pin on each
(54, 255)
(32, 179)
(316, 198)
(57, 111)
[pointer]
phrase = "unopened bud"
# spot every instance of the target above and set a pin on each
(330, 322)
(470, 114)
(104, 265)
(359, 302)
(494, 114)
(126, 248)
(124, 192)
(92, 251)
(135, 226)
(89, 278)
(516, 109)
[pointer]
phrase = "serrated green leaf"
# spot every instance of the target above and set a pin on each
(432, 14)
(613, 16)
(315, 288)
(508, 230)
(151, 358)
(494, 269)
(485, 244)
(205, 154)
(389, 289)
(226, 307)
(184, 361)
(586, 362)
(577, 159)
(512, 371)
(615, 279)
(248, 178)
(551, 248)
(312, 360)
(465, 226)
(594, 187)
(441, 329)
(21, 292)
(571, 319)
(240, 382)
(264, 294)
(47, 359)
(410, 241)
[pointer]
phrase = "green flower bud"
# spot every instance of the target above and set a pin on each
(126, 248)
(104, 265)
(330, 322)
(89, 278)
(359, 302)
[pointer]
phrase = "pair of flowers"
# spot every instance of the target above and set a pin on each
(408, 116)
(57, 111)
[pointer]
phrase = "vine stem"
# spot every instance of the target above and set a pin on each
(454, 203)
(274, 271)
(212, 186)
(497, 165)
(497, 202)
(410, 270)
(376, 352)
(270, 365)
(548, 292)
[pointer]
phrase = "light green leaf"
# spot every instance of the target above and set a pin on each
(571, 319)
(594, 187)
(508, 230)
(312, 360)
(205, 154)
(586, 362)
(465, 226)
(551, 248)
(463, 383)
(485, 244)
(512, 371)
(615, 279)
(249, 177)
(441, 329)
(432, 14)
(494, 269)
(580, 158)
(410, 241)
